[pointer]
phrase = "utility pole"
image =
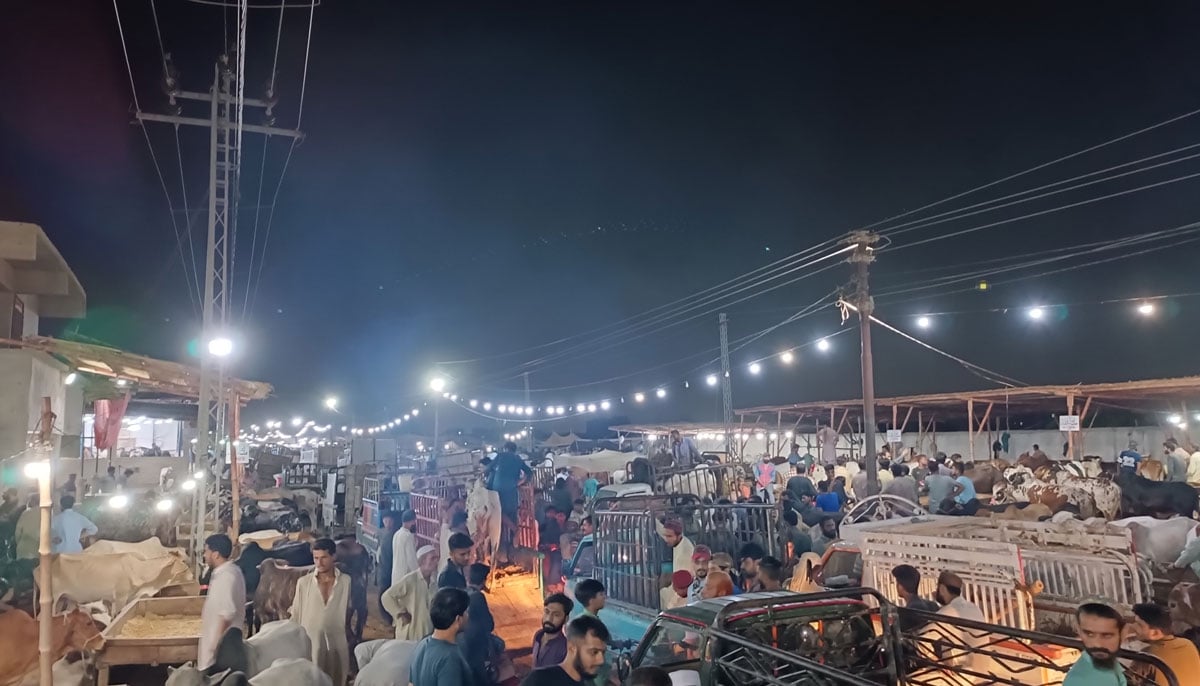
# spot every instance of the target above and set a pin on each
(528, 427)
(862, 257)
(224, 155)
(726, 385)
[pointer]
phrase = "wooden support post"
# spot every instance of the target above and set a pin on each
(971, 430)
(907, 415)
(45, 581)
(1070, 434)
(1087, 405)
(920, 431)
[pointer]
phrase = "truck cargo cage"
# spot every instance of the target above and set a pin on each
(1012, 568)
(951, 651)
(750, 664)
(632, 560)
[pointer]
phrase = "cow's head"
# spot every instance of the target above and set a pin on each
(76, 668)
(1184, 605)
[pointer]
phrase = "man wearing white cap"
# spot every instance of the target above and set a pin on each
(408, 598)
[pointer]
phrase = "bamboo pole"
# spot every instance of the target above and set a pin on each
(46, 601)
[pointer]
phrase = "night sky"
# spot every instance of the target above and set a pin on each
(482, 178)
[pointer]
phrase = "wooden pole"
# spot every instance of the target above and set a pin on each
(1070, 434)
(971, 429)
(45, 619)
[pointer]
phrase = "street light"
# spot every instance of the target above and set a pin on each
(711, 379)
(755, 368)
(70, 378)
(1036, 313)
(438, 384)
(331, 403)
(1145, 309)
(297, 421)
(220, 347)
(823, 345)
(923, 322)
(787, 357)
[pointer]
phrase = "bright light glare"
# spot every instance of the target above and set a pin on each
(164, 505)
(639, 397)
(220, 347)
(122, 382)
(473, 403)
(529, 411)
(1036, 313)
(1174, 419)
(487, 407)
(189, 485)
(755, 367)
(437, 384)
(37, 470)
(1146, 309)
(662, 393)
(331, 403)
(199, 475)
(923, 322)
(711, 379)
(787, 357)
(297, 421)
(591, 407)
(118, 502)
(70, 378)
(604, 405)
(823, 345)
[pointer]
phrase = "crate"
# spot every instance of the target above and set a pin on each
(120, 650)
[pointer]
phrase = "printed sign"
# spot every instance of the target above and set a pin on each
(894, 436)
(1068, 422)
(308, 457)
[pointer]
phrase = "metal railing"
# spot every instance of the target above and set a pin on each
(951, 651)
(748, 663)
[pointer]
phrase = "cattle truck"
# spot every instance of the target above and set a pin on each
(1025, 575)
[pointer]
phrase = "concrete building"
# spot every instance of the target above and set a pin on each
(35, 282)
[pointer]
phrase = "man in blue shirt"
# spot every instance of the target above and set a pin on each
(965, 499)
(505, 475)
(68, 526)
(1129, 459)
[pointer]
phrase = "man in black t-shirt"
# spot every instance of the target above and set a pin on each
(587, 642)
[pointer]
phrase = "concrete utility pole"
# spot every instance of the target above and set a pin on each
(223, 173)
(861, 258)
(726, 385)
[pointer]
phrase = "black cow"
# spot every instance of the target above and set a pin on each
(1140, 496)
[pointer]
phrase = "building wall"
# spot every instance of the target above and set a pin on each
(25, 378)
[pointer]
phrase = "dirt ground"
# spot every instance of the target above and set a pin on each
(514, 601)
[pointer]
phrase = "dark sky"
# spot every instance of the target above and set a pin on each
(479, 178)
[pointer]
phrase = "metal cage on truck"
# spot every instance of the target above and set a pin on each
(631, 557)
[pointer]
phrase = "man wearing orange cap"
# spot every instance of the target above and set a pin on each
(700, 559)
(676, 595)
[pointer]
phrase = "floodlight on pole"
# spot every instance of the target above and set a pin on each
(1036, 313)
(924, 322)
(331, 403)
(1146, 309)
(220, 347)
(437, 384)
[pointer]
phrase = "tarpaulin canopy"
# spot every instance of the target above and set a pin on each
(556, 441)
(603, 461)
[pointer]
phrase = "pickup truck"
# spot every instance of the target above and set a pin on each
(852, 636)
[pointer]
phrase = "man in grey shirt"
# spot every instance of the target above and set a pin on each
(942, 488)
(437, 661)
(901, 484)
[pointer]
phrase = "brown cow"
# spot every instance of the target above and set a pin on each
(1152, 469)
(276, 590)
(71, 631)
(1034, 512)
(1034, 461)
(985, 476)
(354, 561)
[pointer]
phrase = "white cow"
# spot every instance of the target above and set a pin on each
(276, 641)
(285, 672)
(384, 662)
(700, 482)
(1160, 540)
(484, 521)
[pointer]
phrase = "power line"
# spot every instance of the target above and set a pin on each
(287, 160)
(1039, 167)
(194, 297)
(923, 223)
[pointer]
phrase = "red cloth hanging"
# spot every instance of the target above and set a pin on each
(107, 425)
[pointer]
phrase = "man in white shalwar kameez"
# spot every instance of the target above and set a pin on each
(320, 604)
(404, 547)
(408, 599)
